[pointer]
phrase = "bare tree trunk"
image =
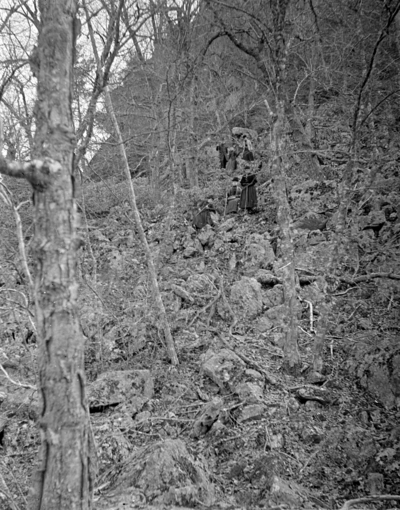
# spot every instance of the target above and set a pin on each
(191, 162)
(150, 263)
(65, 477)
(287, 269)
(66, 474)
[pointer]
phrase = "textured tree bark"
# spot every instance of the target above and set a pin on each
(286, 271)
(65, 478)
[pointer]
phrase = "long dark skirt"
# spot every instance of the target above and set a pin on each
(248, 198)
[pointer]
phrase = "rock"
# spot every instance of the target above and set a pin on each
(316, 237)
(166, 474)
(263, 325)
(375, 220)
(190, 251)
(258, 252)
(378, 370)
(246, 298)
(287, 493)
(321, 195)
(223, 367)
(144, 416)
(277, 441)
(207, 418)
(311, 221)
(252, 412)
(316, 394)
(311, 434)
(317, 258)
(249, 392)
(278, 339)
(133, 387)
(375, 484)
(192, 248)
(273, 297)
(253, 374)
(266, 277)
(219, 246)
(16, 401)
(232, 262)
(277, 315)
(227, 225)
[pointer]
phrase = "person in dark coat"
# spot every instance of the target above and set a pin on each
(203, 216)
(248, 197)
(247, 152)
(233, 197)
(223, 154)
(231, 165)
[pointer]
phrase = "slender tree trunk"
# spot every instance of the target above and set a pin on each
(149, 258)
(287, 267)
(150, 263)
(193, 152)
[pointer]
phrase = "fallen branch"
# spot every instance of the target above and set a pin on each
(369, 499)
(370, 276)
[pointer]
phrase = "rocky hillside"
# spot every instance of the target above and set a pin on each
(226, 428)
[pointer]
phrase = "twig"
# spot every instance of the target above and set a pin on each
(369, 499)
(311, 315)
(7, 494)
(370, 276)
(310, 458)
(247, 360)
(353, 312)
(306, 332)
(226, 302)
(345, 292)
(267, 439)
(205, 308)
(21, 385)
(94, 292)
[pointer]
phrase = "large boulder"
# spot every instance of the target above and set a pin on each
(131, 387)
(377, 367)
(258, 252)
(225, 368)
(273, 297)
(162, 473)
(246, 298)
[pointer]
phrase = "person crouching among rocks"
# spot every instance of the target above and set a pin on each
(203, 216)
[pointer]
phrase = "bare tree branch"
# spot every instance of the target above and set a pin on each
(37, 172)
